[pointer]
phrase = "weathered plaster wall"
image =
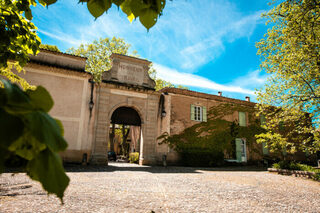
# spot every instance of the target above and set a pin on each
(70, 91)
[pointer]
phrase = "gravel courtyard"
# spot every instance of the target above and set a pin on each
(122, 187)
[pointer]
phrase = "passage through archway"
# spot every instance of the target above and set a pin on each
(125, 133)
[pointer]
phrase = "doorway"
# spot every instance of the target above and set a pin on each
(125, 137)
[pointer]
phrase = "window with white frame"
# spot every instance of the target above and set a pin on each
(198, 113)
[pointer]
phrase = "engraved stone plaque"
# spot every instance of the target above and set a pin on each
(130, 73)
(129, 70)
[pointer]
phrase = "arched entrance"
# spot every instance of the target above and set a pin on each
(125, 133)
(126, 96)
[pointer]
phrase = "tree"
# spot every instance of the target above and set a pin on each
(98, 58)
(49, 47)
(290, 54)
(98, 54)
(18, 39)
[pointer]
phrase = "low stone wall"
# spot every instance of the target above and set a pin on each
(296, 173)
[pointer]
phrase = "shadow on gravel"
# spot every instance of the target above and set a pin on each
(117, 166)
(113, 167)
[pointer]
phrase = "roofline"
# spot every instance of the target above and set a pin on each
(59, 67)
(145, 61)
(204, 95)
(62, 53)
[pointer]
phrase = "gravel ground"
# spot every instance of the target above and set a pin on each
(122, 187)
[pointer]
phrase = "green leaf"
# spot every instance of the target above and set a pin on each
(17, 100)
(11, 128)
(98, 7)
(48, 170)
(27, 146)
(118, 2)
(48, 2)
(46, 130)
(28, 14)
(148, 18)
(40, 99)
(61, 126)
(126, 7)
(137, 7)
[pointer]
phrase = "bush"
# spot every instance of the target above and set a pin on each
(134, 157)
(297, 166)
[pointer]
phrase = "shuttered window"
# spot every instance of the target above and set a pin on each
(242, 119)
(198, 113)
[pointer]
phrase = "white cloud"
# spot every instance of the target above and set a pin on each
(62, 37)
(188, 79)
(188, 35)
(252, 80)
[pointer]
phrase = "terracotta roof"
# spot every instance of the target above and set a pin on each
(62, 68)
(205, 95)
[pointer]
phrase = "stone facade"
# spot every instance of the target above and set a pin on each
(178, 117)
(85, 108)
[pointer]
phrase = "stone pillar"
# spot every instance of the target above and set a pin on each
(149, 132)
(100, 148)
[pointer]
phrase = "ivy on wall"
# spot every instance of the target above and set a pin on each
(206, 143)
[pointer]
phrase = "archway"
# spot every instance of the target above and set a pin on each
(125, 133)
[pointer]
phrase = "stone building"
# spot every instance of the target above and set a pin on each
(126, 96)
(185, 108)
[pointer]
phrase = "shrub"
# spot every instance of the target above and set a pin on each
(134, 157)
(297, 166)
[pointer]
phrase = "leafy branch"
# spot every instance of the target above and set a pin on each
(28, 131)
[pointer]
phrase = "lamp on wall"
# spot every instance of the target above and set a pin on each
(163, 113)
(91, 104)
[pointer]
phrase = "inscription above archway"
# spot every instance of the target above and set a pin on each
(129, 70)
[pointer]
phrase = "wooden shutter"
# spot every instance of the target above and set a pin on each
(239, 149)
(204, 114)
(265, 149)
(242, 119)
(192, 112)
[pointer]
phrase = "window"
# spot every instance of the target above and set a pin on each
(237, 151)
(242, 119)
(198, 113)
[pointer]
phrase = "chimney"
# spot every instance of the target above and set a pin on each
(248, 98)
(219, 93)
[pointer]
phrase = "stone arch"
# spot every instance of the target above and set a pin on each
(125, 104)
(139, 111)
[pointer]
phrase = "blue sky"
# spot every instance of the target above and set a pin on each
(206, 45)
